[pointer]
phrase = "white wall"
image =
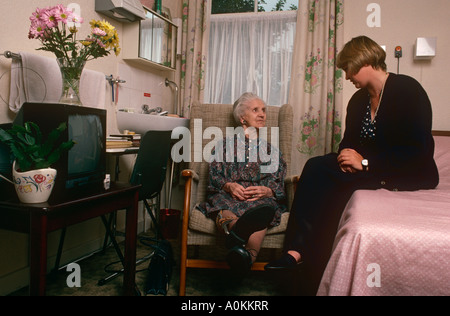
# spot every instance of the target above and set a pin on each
(402, 21)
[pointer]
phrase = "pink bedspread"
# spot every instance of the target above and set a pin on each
(394, 243)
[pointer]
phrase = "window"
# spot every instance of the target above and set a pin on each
(241, 6)
(250, 52)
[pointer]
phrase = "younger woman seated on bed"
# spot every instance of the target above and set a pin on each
(387, 145)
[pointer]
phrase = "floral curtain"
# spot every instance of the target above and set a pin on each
(195, 36)
(316, 83)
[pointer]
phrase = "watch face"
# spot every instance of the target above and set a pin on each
(365, 163)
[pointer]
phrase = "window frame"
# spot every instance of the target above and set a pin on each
(255, 9)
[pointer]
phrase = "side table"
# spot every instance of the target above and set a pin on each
(70, 208)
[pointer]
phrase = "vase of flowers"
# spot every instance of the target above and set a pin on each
(56, 28)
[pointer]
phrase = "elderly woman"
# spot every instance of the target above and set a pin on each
(387, 145)
(243, 198)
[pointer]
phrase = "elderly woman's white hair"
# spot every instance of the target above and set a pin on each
(240, 106)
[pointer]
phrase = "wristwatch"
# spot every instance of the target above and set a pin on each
(365, 164)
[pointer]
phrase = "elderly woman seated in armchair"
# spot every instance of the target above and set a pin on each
(246, 191)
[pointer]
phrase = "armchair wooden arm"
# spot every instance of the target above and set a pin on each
(290, 184)
(292, 180)
(189, 175)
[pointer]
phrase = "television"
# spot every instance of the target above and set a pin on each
(83, 166)
(6, 188)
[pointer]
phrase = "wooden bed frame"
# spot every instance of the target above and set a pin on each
(441, 133)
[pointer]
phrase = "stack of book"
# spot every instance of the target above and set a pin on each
(122, 141)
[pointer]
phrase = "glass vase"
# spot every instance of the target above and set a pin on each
(71, 74)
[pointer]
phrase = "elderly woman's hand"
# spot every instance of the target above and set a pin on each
(253, 193)
(258, 192)
(236, 190)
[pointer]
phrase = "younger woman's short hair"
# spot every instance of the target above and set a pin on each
(359, 52)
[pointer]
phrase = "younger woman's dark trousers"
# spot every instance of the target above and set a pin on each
(321, 196)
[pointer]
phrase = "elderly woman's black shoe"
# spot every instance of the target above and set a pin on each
(285, 262)
(255, 219)
(240, 260)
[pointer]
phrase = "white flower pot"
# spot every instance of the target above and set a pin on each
(34, 186)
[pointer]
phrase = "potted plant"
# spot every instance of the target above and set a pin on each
(34, 155)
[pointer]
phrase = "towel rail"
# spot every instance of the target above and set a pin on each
(11, 55)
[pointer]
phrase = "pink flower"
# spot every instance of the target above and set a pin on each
(76, 18)
(314, 80)
(49, 18)
(331, 53)
(307, 130)
(330, 117)
(61, 14)
(37, 15)
(337, 130)
(100, 43)
(311, 142)
(37, 30)
(98, 32)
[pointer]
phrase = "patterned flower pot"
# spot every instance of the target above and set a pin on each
(34, 186)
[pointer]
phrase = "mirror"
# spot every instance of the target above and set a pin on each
(158, 39)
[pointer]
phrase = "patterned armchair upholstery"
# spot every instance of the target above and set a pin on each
(197, 229)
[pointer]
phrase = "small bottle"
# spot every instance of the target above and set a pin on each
(158, 6)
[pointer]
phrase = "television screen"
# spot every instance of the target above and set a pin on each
(87, 132)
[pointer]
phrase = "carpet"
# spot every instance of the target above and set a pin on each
(200, 282)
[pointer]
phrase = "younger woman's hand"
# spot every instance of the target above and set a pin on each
(349, 161)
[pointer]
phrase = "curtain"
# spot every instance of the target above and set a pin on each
(316, 84)
(195, 35)
(150, 48)
(250, 52)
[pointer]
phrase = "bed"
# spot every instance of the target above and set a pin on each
(394, 243)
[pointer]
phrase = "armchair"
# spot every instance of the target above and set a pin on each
(197, 229)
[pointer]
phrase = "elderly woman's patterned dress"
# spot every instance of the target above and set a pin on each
(247, 169)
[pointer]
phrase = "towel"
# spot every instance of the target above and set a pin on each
(93, 87)
(34, 79)
(37, 79)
